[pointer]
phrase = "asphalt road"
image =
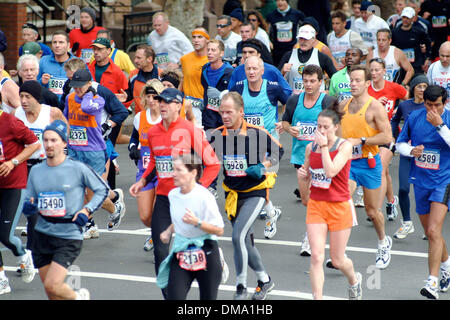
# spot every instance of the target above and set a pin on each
(115, 266)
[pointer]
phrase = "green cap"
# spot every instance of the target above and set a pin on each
(31, 48)
(102, 43)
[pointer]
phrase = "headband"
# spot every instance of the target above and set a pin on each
(200, 33)
(171, 79)
(251, 45)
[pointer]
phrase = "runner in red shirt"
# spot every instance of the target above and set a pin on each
(172, 136)
(17, 144)
(387, 93)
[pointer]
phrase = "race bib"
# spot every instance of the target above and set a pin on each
(145, 159)
(319, 178)
(389, 75)
(284, 31)
(164, 166)
(235, 165)
(56, 85)
(439, 21)
(213, 104)
(2, 152)
(86, 55)
(52, 204)
(429, 159)
(307, 130)
(162, 58)
(193, 259)
(344, 96)
(409, 53)
(298, 85)
(78, 136)
(38, 133)
(256, 119)
(196, 102)
(357, 152)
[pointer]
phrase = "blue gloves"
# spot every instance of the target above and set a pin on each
(256, 171)
(81, 219)
(29, 208)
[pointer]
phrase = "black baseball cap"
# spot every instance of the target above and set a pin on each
(32, 26)
(80, 78)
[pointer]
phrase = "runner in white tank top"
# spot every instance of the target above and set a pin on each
(392, 66)
(294, 76)
(5, 106)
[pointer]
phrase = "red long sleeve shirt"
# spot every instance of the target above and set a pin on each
(182, 137)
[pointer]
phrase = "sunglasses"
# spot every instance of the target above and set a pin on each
(253, 20)
(222, 25)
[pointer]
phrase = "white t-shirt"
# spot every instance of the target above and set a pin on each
(201, 202)
(230, 46)
(262, 36)
(169, 47)
(439, 75)
(368, 30)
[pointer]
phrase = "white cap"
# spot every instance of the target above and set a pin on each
(408, 12)
(306, 32)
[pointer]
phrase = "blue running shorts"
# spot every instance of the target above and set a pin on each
(363, 175)
(95, 159)
(425, 196)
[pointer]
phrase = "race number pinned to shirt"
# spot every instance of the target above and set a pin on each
(162, 59)
(196, 102)
(78, 136)
(284, 31)
(38, 133)
(306, 130)
(213, 104)
(256, 119)
(192, 259)
(86, 55)
(410, 54)
(56, 84)
(235, 165)
(298, 87)
(145, 159)
(429, 159)
(164, 166)
(439, 21)
(357, 152)
(319, 178)
(52, 204)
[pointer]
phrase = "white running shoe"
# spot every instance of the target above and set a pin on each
(4, 285)
(392, 210)
(116, 218)
(91, 232)
(270, 229)
(225, 269)
(383, 257)
(430, 290)
(305, 249)
(355, 291)
(148, 244)
(444, 283)
(83, 294)
(406, 228)
(27, 267)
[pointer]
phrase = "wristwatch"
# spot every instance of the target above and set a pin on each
(363, 140)
(199, 223)
(15, 162)
(439, 127)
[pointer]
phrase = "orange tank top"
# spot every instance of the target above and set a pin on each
(354, 125)
(78, 117)
(144, 126)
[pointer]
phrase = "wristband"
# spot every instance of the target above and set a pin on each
(439, 127)
(199, 223)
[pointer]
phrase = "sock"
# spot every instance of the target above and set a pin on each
(2, 274)
(446, 264)
(383, 242)
(433, 278)
(270, 210)
(262, 276)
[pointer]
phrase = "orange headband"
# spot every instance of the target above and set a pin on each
(201, 33)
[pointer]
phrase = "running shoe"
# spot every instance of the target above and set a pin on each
(430, 290)
(263, 214)
(83, 294)
(116, 166)
(119, 192)
(214, 192)
(4, 285)
(329, 263)
(444, 284)
(305, 250)
(241, 293)
(297, 194)
(148, 244)
(355, 291)
(406, 228)
(270, 229)
(27, 267)
(262, 289)
(424, 237)
(392, 210)
(91, 232)
(225, 269)
(359, 197)
(116, 218)
(383, 257)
